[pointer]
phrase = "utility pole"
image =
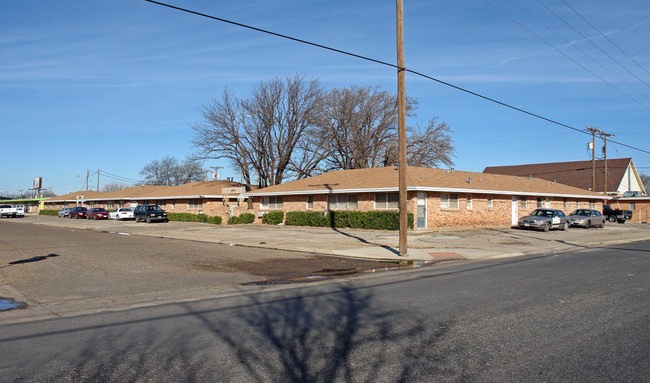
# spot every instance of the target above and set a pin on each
(401, 99)
(593, 130)
(87, 175)
(216, 171)
(605, 136)
(97, 180)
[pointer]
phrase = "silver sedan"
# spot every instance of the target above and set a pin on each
(587, 218)
(544, 219)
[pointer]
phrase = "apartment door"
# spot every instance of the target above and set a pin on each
(515, 211)
(422, 210)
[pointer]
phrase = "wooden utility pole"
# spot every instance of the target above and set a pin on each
(605, 136)
(593, 130)
(401, 100)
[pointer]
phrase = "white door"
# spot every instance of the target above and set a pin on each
(422, 210)
(515, 212)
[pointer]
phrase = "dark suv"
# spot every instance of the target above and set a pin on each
(149, 213)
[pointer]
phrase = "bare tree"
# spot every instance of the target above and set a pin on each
(114, 186)
(361, 123)
(428, 146)
(169, 171)
(261, 134)
(645, 180)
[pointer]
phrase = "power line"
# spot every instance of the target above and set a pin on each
(385, 64)
(562, 53)
(607, 38)
(590, 41)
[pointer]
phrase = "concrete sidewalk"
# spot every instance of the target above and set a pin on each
(425, 245)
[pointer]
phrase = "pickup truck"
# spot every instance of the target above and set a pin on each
(7, 210)
(616, 215)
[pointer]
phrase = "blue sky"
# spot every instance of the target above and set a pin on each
(113, 85)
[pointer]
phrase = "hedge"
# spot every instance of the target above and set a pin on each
(189, 217)
(376, 220)
(241, 219)
(48, 212)
(273, 217)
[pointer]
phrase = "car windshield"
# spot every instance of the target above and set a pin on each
(125, 209)
(542, 213)
(582, 212)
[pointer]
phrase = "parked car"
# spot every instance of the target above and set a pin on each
(78, 212)
(97, 213)
(149, 213)
(64, 213)
(121, 213)
(616, 215)
(587, 218)
(545, 219)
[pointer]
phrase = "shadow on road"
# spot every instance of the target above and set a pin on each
(336, 336)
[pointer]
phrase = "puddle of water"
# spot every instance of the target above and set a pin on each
(10, 304)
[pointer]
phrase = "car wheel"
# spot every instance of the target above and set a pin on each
(588, 225)
(611, 218)
(547, 227)
(148, 220)
(602, 224)
(565, 227)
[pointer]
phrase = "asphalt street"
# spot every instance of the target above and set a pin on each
(573, 316)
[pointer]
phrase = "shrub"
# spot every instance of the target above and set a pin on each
(216, 220)
(273, 217)
(187, 217)
(48, 212)
(376, 220)
(241, 219)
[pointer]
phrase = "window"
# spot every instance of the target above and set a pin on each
(342, 201)
(121, 204)
(194, 204)
(632, 206)
(272, 203)
(539, 202)
(310, 202)
(163, 204)
(449, 201)
(523, 203)
(110, 204)
(469, 202)
(490, 203)
(386, 200)
(565, 204)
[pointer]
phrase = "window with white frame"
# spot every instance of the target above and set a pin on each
(310, 202)
(342, 201)
(469, 202)
(274, 203)
(632, 206)
(490, 202)
(523, 203)
(449, 201)
(386, 200)
(110, 204)
(539, 203)
(194, 204)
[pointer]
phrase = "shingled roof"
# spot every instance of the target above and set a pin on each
(423, 179)
(189, 190)
(575, 173)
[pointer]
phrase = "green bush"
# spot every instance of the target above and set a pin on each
(375, 220)
(241, 219)
(273, 217)
(48, 212)
(216, 220)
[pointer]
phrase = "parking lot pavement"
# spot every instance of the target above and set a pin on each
(439, 244)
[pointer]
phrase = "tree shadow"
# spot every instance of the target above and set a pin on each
(340, 335)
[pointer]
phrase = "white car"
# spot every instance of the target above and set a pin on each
(121, 213)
